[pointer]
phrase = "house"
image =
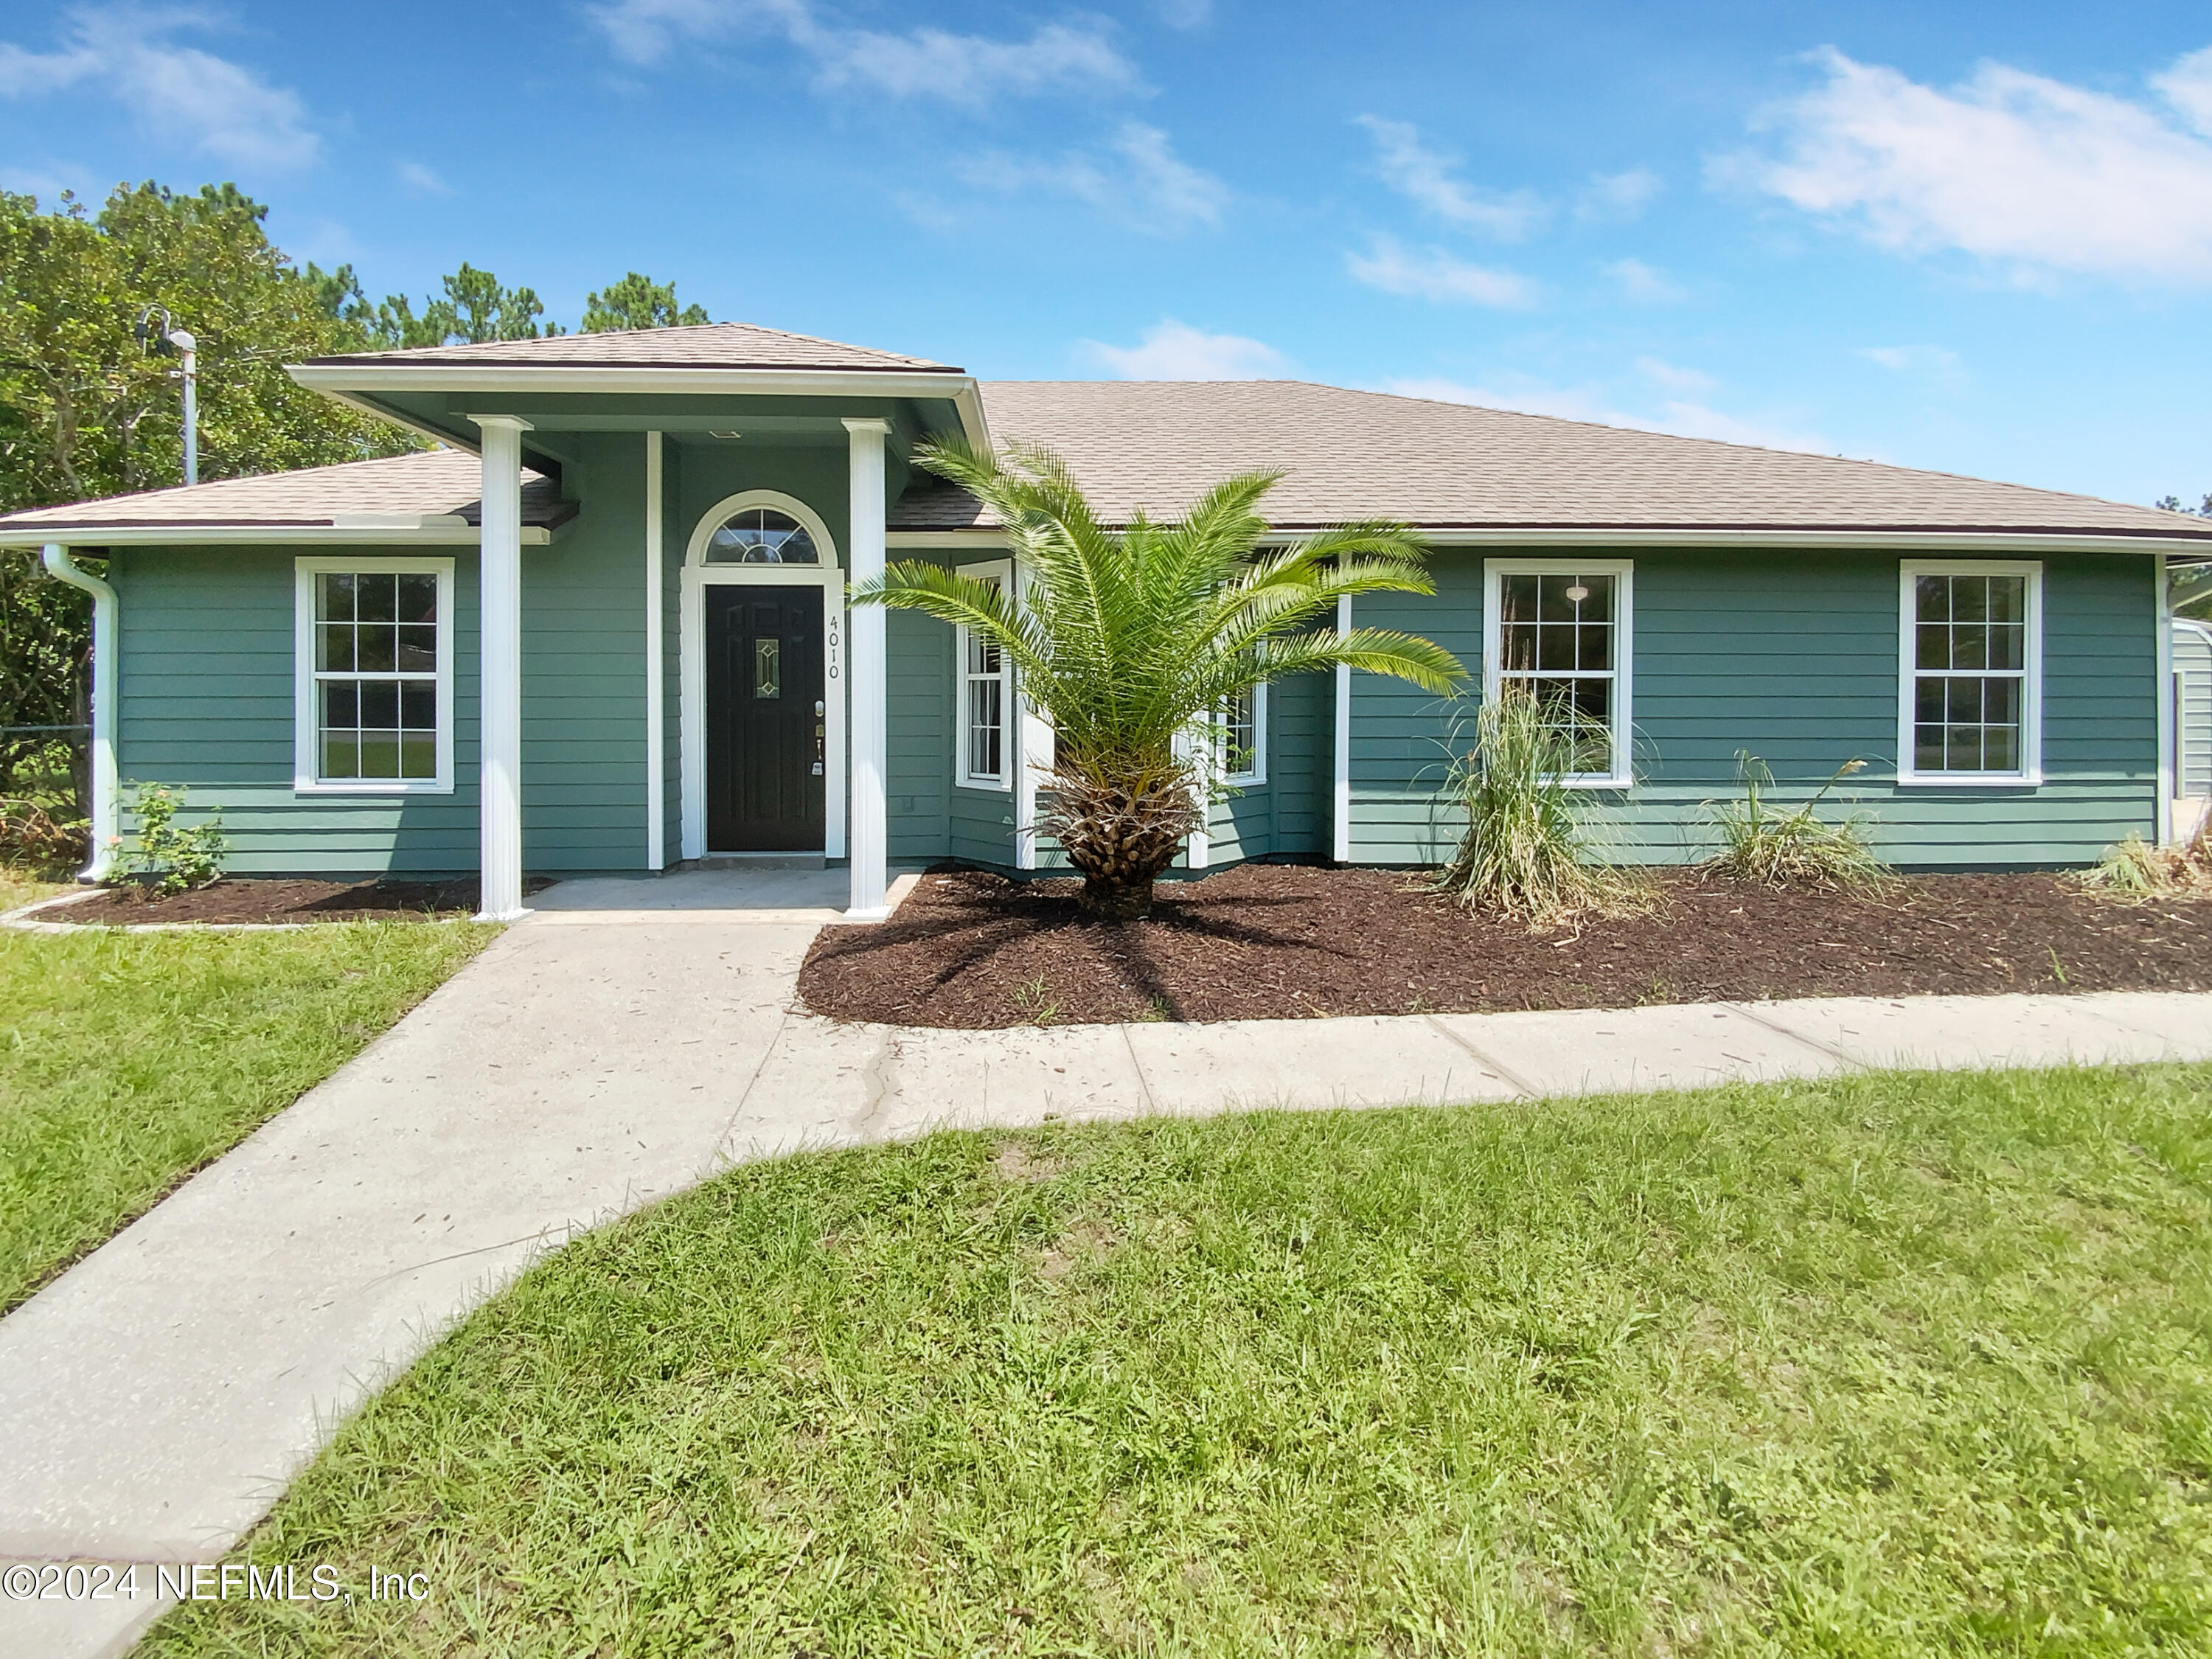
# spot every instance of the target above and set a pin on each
(603, 627)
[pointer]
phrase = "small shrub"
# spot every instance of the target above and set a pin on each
(1523, 853)
(1795, 848)
(179, 860)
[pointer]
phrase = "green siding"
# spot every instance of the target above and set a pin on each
(1795, 659)
(206, 683)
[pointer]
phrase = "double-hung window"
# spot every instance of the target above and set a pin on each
(1241, 757)
(984, 683)
(1562, 630)
(1970, 673)
(374, 675)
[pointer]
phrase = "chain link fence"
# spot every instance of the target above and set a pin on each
(45, 794)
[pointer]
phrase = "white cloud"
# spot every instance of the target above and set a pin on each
(1140, 180)
(2030, 173)
(1618, 195)
(1681, 418)
(1175, 351)
(1435, 275)
(935, 63)
(1638, 281)
(421, 180)
(2188, 86)
(216, 107)
(1936, 365)
(1185, 13)
(1424, 178)
(1673, 376)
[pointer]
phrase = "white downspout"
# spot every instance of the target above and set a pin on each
(105, 606)
(2167, 783)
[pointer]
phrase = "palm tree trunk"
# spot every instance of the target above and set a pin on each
(1116, 898)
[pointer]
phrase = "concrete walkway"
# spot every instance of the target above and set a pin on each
(633, 1038)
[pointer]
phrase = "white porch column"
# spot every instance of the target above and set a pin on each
(499, 645)
(867, 848)
(1341, 794)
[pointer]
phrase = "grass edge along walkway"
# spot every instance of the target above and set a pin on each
(1887, 1364)
(130, 1060)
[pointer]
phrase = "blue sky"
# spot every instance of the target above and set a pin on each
(1976, 237)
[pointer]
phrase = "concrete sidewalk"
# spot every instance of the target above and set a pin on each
(156, 1398)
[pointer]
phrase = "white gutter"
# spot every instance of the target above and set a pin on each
(340, 380)
(347, 529)
(104, 683)
(1961, 541)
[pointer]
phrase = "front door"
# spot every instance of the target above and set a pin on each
(764, 719)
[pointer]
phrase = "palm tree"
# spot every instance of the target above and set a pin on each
(1131, 641)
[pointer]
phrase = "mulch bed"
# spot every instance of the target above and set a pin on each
(242, 898)
(976, 951)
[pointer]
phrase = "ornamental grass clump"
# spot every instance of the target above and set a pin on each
(1798, 848)
(2134, 870)
(1522, 855)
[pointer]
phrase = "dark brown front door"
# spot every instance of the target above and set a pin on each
(764, 719)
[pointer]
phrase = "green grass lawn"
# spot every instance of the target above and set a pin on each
(128, 1059)
(1891, 1365)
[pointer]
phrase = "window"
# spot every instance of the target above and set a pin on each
(1563, 631)
(1243, 758)
(761, 534)
(373, 677)
(985, 685)
(1969, 692)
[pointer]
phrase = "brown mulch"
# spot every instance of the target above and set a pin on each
(977, 951)
(246, 899)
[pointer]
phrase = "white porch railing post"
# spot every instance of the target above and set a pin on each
(868, 847)
(499, 645)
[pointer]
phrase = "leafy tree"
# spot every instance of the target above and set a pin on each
(1131, 641)
(638, 301)
(85, 412)
(477, 307)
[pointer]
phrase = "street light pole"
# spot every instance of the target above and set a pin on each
(161, 343)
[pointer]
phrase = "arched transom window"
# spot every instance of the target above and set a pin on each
(761, 534)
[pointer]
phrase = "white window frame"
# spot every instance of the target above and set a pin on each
(2030, 775)
(1623, 571)
(306, 706)
(1255, 776)
(1010, 721)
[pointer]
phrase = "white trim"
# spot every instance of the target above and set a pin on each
(964, 776)
(1623, 773)
(948, 538)
(691, 668)
(2167, 775)
(305, 721)
(1864, 541)
(431, 533)
(695, 550)
(1340, 787)
(2030, 775)
(1257, 776)
(656, 783)
(337, 379)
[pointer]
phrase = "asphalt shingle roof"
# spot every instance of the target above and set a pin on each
(708, 345)
(431, 482)
(1157, 444)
